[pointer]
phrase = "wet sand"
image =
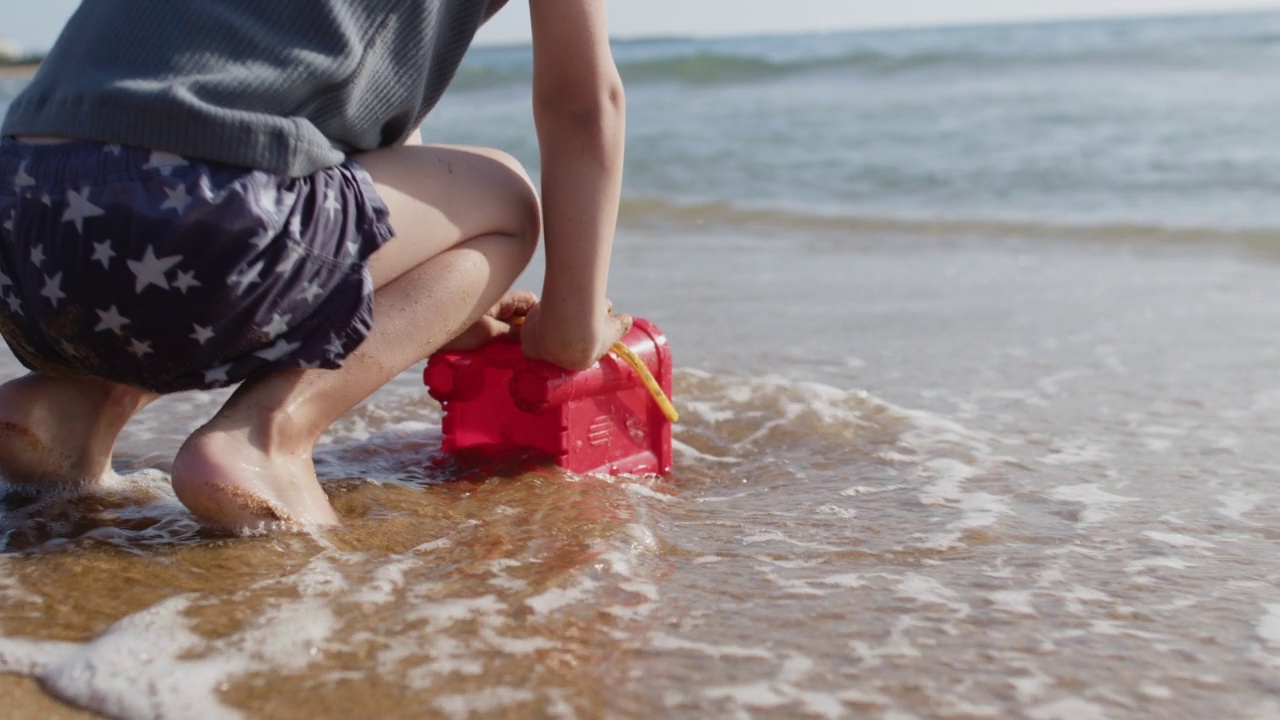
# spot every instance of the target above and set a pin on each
(23, 698)
(970, 478)
(24, 70)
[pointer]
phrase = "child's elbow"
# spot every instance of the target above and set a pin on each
(599, 104)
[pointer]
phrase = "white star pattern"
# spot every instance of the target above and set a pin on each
(186, 280)
(8, 224)
(279, 324)
(164, 162)
(112, 148)
(217, 375)
(281, 348)
(311, 290)
(203, 188)
(150, 269)
(22, 179)
(262, 241)
(53, 289)
(4, 280)
(178, 199)
(291, 258)
(69, 349)
(331, 203)
(140, 347)
(308, 365)
(15, 305)
(46, 199)
(37, 255)
(103, 253)
(246, 277)
(268, 200)
(111, 319)
(202, 334)
(353, 247)
(334, 348)
(79, 208)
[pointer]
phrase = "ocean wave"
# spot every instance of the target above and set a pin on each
(704, 61)
(711, 67)
(658, 212)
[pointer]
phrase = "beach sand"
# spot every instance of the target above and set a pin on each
(23, 698)
(25, 70)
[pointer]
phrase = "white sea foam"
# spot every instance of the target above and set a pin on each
(1099, 504)
(1235, 504)
(1031, 687)
(776, 536)
(663, 641)
(1075, 452)
(770, 694)
(1052, 385)
(556, 598)
(928, 591)
(1068, 709)
(1269, 626)
(648, 492)
(685, 451)
(31, 657)
(860, 490)
(142, 667)
(442, 614)
(1181, 540)
(896, 647)
(1017, 602)
(1169, 562)
(386, 584)
(489, 700)
(846, 580)
(836, 510)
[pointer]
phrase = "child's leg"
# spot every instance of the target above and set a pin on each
(62, 430)
(466, 223)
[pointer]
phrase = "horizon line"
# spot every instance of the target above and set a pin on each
(34, 55)
(926, 25)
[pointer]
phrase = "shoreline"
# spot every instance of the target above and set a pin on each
(20, 70)
(25, 698)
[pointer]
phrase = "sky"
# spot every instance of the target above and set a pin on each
(33, 24)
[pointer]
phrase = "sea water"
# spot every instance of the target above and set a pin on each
(978, 366)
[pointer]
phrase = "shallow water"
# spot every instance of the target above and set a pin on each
(977, 363)
(945, 478)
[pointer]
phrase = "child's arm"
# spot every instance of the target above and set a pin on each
(579, 112)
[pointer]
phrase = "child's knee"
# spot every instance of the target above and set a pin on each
(518, 194)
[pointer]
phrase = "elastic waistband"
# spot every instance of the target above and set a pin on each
(77, 162)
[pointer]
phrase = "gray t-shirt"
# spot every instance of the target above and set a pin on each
(286, 86)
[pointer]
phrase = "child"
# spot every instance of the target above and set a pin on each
(198, 193)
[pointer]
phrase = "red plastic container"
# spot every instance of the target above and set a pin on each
(601, 420)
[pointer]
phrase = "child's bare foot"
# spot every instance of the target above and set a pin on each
(62, 430)
(228, 481)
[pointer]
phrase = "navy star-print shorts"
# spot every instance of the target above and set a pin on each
(168, 274)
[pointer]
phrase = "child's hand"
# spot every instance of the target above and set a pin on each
(572, 346)
(496, 322)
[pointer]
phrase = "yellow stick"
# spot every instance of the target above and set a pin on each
(646, 378)
(629, 357)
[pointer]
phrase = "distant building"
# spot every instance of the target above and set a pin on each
(9, 50)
